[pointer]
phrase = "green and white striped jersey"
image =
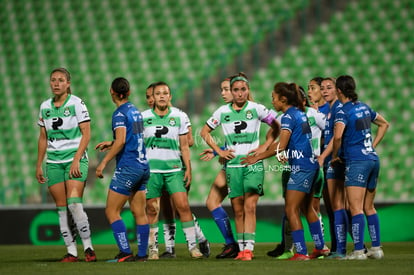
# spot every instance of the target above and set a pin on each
(240, 128)
(317, 122)
(161, 136)
(62, 128)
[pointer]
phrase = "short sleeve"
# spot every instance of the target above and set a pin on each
(82, 113)
(214, 121)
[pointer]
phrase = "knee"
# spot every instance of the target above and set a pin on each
(112, 215)
(152, 209)
(369, 210)
(291, 212)
(211, 203)
(250, 209)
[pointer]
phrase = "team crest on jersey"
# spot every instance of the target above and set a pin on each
(172, 122)
(66, 112)
(249, 115)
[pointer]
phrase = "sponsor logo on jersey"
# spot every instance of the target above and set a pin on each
(214, 121)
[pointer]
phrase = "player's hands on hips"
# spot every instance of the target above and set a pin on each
(207, 154)
(249, 159)
(227, 154)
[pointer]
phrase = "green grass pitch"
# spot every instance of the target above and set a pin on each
(28, 259)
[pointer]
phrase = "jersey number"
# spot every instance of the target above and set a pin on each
(368, 142)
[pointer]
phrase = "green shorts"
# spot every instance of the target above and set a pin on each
(242, 180)
(171, 182)
(59, 172)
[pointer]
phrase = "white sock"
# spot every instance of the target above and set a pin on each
(190, 236)
(153, 237)
(169, 236)
(70, 242)
(199, 233)
(82, 224)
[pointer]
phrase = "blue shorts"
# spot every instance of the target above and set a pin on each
(337, 172)
(363, 173)
(128, 180)
(302, 180)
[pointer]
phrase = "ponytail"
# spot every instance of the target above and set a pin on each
(347, 85)
(291, 92)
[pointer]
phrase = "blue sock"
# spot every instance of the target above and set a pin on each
(340, 221)
(120, 235)
(358, 226)
(142, 239)
(374, 229)
(316, 233)
(223, 222)
(299, 242)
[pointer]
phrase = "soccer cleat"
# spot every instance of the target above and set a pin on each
(168, 255)
(153, 254)
(69, 258)
(247, 255)
(90, 255)
(375, 253)
(122, 257)
(205, 248)
(196, 254)
(229, 251)
(278, 251)
(357, 255)
(335, 256)
(285, 256)
(316, 253)
(299, 257)
(240, 255)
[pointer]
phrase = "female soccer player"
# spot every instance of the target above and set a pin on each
(317, 123)
(315, 96)
(165, 131)
(167, 206)
(354, 136)
(335, 174)
(64, 135)
(295, 146)
(240, 122)
(131, 173)
(218, 191)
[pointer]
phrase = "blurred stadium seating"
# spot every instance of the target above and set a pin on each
(183, 42)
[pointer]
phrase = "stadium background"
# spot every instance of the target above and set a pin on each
(192, 45)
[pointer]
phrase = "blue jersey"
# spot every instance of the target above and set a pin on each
(324, 109)
(299, 150)
(329, 126)
(133, 154)
(357, 138)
